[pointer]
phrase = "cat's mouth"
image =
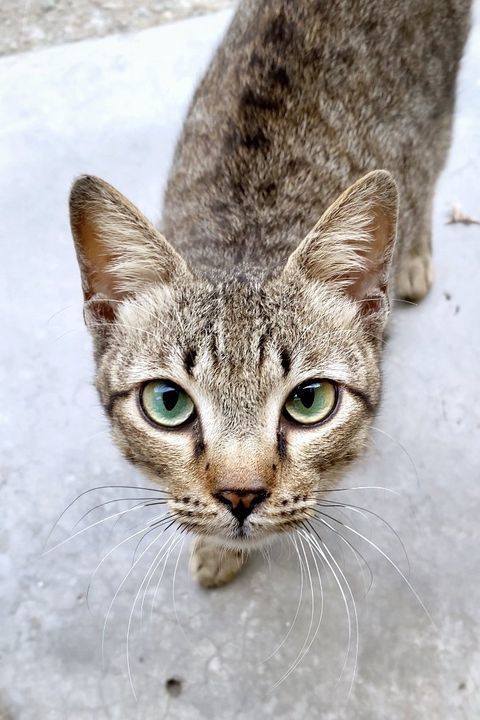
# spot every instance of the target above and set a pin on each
(241, 534)
(242, 538)
(248, 534)
(242, 531)
(235, 535)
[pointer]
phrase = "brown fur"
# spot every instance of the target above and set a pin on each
(258, 296)
(301, 100)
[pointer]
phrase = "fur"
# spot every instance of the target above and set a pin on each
(247, 294)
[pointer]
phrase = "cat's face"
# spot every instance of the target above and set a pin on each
(245, 396)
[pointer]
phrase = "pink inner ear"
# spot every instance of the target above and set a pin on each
(96, 262)
(371, 283)
(119, 251)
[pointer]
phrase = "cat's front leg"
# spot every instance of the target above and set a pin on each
(415, 274)
(212, 565)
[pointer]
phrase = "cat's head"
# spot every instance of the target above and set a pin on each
(246, 395)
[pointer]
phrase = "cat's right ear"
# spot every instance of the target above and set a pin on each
(351, 247)
(119, 251)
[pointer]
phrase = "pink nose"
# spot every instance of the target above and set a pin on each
(241, 502)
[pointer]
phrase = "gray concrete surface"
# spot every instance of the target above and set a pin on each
(27, 24)
(113, 107)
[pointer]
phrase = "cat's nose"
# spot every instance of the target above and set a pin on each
(241, 502)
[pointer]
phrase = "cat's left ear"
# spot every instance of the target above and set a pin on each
(119, 251)
(352, 245)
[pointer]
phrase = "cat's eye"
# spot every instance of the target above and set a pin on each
(311, 402)
(166, 404)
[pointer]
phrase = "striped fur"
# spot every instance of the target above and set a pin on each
(247, 293)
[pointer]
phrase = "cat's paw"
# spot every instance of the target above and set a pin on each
(212, 566)
(414, 277)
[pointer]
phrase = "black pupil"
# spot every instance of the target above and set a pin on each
(306, 395)
(170, 398)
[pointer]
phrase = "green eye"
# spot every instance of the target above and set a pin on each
(311, 402)
(166, 404)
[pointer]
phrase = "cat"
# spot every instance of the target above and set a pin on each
(238, 353)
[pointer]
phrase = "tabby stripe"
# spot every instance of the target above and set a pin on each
(189, 360)
(261, 350)
(281, 444)
(113, 399)
(365, 399)
(286, 361)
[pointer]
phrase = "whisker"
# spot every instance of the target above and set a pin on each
(308, 642)
(321, 595)
(394, 565)
(89, 527)
(327, 550)
(132, 527)
(340, 587)
(266, 556)
(153, 568)
(402, 447)
(339, 505)
(144, 502)
(129, 572)
(105, 557)
(356, 553)
(358, 487)
(405, 302)
(361, 510)
(344, 599)
(310, 626)
(173, 589)
(101, 487)
(152, 527)
(157, 587)
(62, 310)
(300, 598)
(150, 570)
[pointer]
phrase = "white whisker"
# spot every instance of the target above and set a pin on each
(144, 502)
(308, 642)
(151, 569)
(364, 487)
(361, 511)
(299, 603)
(173, 589)
(342, 592)
(354, 611)
(402, 447)
(310, 626)
(119, 589)
(84, 530)
(105, 557)
(395, 566)
(94, 489)
(356, 553)
(157, 587)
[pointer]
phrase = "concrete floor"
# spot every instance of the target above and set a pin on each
(113, 107)
(27, 24)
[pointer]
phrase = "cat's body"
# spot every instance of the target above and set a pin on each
(301, 100)
(242, 369)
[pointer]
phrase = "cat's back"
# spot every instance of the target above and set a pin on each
(301, 100)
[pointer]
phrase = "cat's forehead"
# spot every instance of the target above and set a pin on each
(242, 332)
(238, 349)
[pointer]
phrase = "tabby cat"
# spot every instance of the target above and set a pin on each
(239, 351)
